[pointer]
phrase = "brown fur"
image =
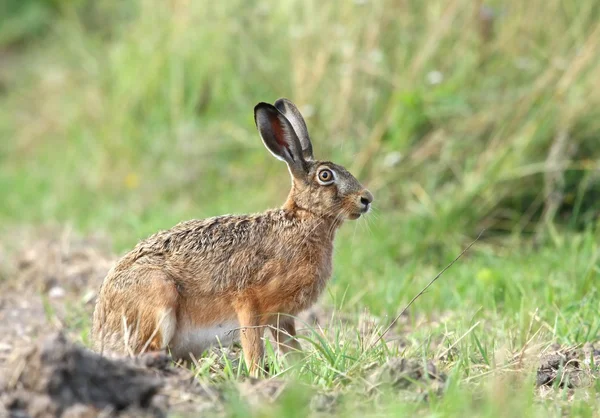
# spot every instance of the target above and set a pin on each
(248, 268)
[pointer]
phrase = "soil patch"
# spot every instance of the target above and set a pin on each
(57, 376)
(569, 367)
(48, 282)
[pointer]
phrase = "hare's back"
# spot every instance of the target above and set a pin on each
(204, 236)
(215, 254)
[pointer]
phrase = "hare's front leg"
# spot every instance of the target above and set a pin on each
(251, 337)
(285, 334)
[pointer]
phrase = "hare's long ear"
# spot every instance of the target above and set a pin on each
(291, 112)
(280, 138)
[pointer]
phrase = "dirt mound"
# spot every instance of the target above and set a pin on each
(569, 367)
(59, 377)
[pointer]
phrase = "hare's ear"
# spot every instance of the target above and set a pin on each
(279, 137)
(291, 112)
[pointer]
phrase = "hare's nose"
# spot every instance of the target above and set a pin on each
(366, 198)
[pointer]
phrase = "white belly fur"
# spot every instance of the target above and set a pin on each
(188, 339)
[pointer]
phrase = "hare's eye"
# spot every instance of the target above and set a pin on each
(325, 176)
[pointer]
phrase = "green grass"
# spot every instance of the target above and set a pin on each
(130, 126)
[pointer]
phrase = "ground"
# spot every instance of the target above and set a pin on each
(47, 295)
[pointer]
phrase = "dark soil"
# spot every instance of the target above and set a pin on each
(59, 378)
(569, 367)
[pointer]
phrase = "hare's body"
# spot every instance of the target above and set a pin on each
(278, 261)
(214, 280)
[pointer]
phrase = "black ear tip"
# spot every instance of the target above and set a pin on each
(282, 101)
(262, 105)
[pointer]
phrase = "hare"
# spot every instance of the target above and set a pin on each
(220, 279)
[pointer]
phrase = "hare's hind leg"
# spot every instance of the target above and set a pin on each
(284, 332)
(136, 315)
(157, 312)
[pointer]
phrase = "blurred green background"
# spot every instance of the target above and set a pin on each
(129, 116)
(125, 117)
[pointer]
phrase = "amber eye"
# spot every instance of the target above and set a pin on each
(326, 176)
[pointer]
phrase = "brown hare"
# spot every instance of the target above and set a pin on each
(215, 280)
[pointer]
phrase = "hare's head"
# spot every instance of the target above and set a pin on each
(320, 187)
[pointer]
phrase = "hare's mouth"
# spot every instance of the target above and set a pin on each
(357, 214)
